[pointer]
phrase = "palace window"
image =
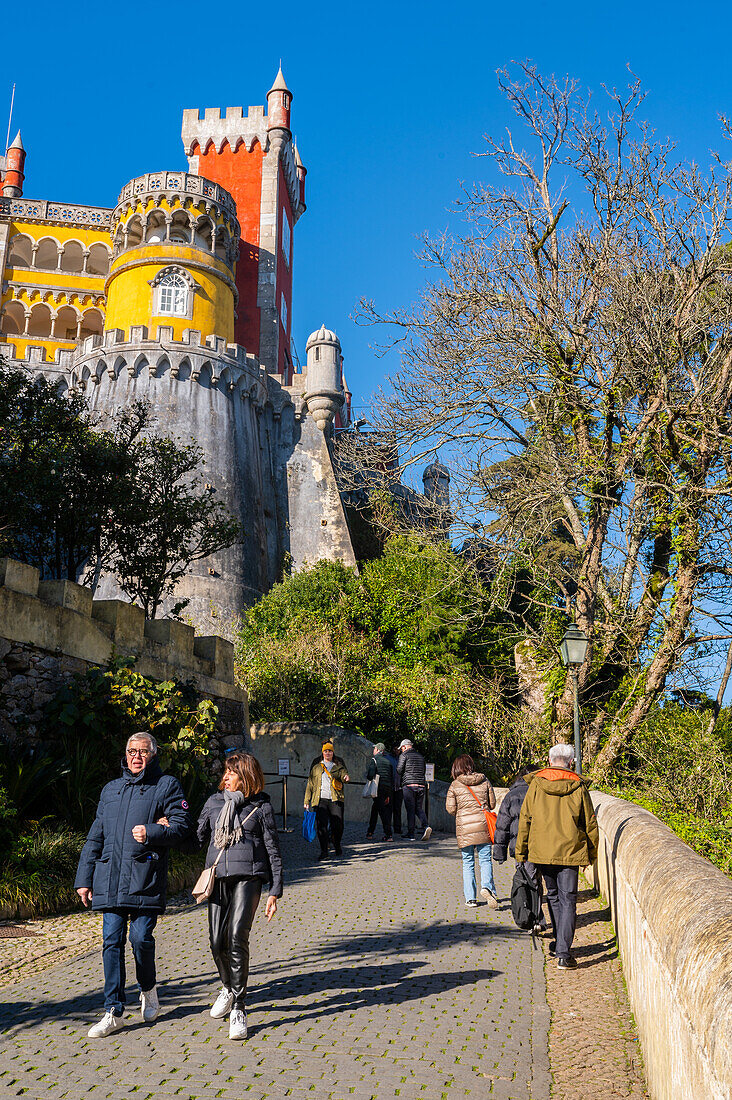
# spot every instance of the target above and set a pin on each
(173, 295)
(286, 237)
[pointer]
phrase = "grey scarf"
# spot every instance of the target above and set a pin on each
(229, 824)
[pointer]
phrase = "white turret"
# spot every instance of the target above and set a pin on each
(324, 388)
(436, 481)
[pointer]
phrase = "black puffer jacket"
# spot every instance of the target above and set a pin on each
(508, 820)
(382, 765)
(257, 854)
(121, 873)
(411, 768)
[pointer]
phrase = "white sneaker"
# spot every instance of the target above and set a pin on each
(238, 1024)
(149, 1005)
(490, 898)
(427, 833)
(222, 1005)
(108, 1023)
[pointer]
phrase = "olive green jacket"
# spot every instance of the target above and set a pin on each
(312, 790)
(557, 823)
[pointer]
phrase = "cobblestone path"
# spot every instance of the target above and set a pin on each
(373, 980)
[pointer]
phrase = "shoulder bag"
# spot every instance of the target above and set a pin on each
(371, 787)
(204, 884)
(490, 817)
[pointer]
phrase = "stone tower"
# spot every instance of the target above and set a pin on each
(254, 157)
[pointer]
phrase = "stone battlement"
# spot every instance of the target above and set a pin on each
(62, 619)
(214, 129)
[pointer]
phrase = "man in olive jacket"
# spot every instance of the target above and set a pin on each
(123, 871)
(557, 831)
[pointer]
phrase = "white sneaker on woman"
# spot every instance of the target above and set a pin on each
(238, 1024)
(149, 1005)
(489, 897)
(104, 1027)
(222, 1005)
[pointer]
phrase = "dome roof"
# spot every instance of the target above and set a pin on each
(436, 470)
(322, 336)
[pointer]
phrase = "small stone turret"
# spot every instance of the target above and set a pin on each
(14, 169)
(436, 482)
(324, 388)
(279, 100)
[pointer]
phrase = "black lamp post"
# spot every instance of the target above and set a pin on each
(573, 648)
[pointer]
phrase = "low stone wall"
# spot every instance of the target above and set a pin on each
(672, 912)
(50, 630)
(301, 743)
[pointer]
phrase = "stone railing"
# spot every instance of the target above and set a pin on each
(50, 630)
(182, 183)
(59, 213)
(672, 912)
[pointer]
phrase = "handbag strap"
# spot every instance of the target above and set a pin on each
(218, 857)
(485, 812)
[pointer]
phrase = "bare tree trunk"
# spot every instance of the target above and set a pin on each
(720, 693)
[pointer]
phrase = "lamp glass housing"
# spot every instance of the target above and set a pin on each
(573, 646)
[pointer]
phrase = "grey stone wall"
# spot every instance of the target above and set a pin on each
(671, 909)
(51, 630)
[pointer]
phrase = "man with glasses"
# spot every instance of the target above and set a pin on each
(123, 872)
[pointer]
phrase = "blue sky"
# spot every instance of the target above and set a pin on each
(389, 102)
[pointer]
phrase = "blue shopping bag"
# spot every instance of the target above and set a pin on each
(308, 825)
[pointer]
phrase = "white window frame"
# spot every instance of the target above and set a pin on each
(173, 292)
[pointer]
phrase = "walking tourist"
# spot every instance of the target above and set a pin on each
(396, 799)
(557, 832)
(468, 797)
(243, 844)
(123, 872)
(380, 765)
(324, 793)
(411, 777)
(504, 842)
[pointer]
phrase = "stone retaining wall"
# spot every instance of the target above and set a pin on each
(50, 630)
(672, 912)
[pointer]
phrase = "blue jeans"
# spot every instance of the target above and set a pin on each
(486, 869)
(114, 937)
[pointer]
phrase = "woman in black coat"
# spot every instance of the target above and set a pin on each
(240, 823)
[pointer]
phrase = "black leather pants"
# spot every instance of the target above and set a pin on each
(231, 910)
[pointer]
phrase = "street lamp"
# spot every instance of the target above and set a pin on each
(573, 648)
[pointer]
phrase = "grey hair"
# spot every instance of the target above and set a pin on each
(142, 736)
(561, 756)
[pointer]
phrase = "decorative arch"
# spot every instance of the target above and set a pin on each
(21, 251)
(47, 254)
(98, 260)
(39, 322)
(72, 256)
(66, 324)
(92, 323)
(13, 318)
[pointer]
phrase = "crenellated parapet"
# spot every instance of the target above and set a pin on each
(216, 129)
(62, 618)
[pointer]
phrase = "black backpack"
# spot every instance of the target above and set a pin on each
(525, 899)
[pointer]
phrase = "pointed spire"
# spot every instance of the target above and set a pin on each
(280, 84)
(18, 143)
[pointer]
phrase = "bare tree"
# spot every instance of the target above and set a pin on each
(573, 358)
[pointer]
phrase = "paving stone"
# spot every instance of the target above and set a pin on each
(372, 982)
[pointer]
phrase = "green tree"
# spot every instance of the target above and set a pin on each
(170, 519)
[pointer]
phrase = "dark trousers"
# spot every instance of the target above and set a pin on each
(414, 803)
(231, 910)
(397, 811)
(560, 884)
(114, 937)
(381, 808)
(329, 823)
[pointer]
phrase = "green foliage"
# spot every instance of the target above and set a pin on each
(683, 773)
(401, 650)
(101, 707)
